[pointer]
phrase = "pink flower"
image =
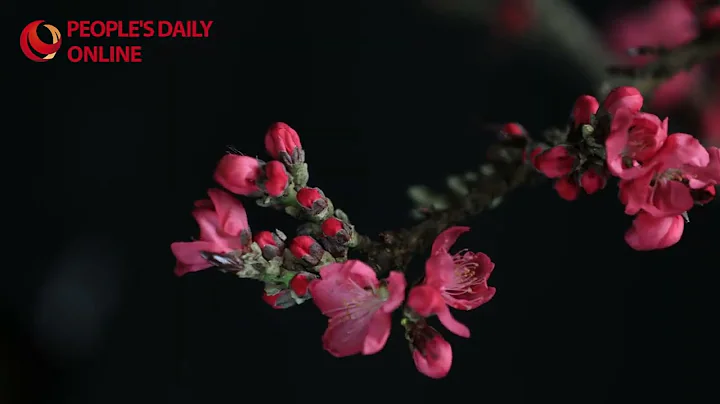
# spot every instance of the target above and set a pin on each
(555, 162)
(275, 179)
(238, 174)
(634, 139)
(664, 190)
(223, 228)
(458, 281)
(585, 107)
(358, 305)
(653, 233)
(430, 351)
(283, 143)
(623, 97)
(665, 23)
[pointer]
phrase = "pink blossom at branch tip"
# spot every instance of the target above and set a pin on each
(585, 107)
(276, 178)
(281, 138)
(431, 353)
(666, 189)
(666, 23)
(223, 227)
(238, 174)
(623, 97)
(567, 189)
(461, 278)
(654, 233)
(359, 306)
(634, 140)
(555, 162)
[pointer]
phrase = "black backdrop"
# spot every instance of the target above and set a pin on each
(384, 95)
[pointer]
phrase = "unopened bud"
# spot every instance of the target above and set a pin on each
(283, 143)
(279, 299)
(314, 202)
(270, 243)
(275, 179)
(338, 236)
(306, 249)
(513, 129)
(300, 284)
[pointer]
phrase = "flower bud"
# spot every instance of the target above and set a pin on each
(591, 182)
(279, 299)
(238, 174)
(567, 189)
(283, 143)
(623, 97)
(555, 162)
(338, 236)
(513, 129)
(585, 107)
(275, 179)
(431, 353)
(300, 284)
(306, 249)
(271, 244)
(314, 203)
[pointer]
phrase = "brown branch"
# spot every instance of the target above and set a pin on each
(502, 174)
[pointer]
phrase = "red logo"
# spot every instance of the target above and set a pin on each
(35, 48)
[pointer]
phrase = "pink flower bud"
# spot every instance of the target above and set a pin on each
(306, 249)
(530, 159)
(331, 226)
(283, 143)
(585, 107)
(281, 300)
(270, 243)
(513, 129)
(555, 162)
(567, 189)
(313, 200)
(275, 180)
(623, 97)
(307, 197)
(592, 182)
(238, 174)
(300, 284)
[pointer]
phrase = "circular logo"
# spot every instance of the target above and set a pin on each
(35, 48)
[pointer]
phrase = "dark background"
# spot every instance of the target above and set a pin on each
(384, 94)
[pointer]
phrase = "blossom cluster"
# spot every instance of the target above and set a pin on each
(315, 263)
(661, 175)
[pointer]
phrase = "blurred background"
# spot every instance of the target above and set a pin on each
(384, 94)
